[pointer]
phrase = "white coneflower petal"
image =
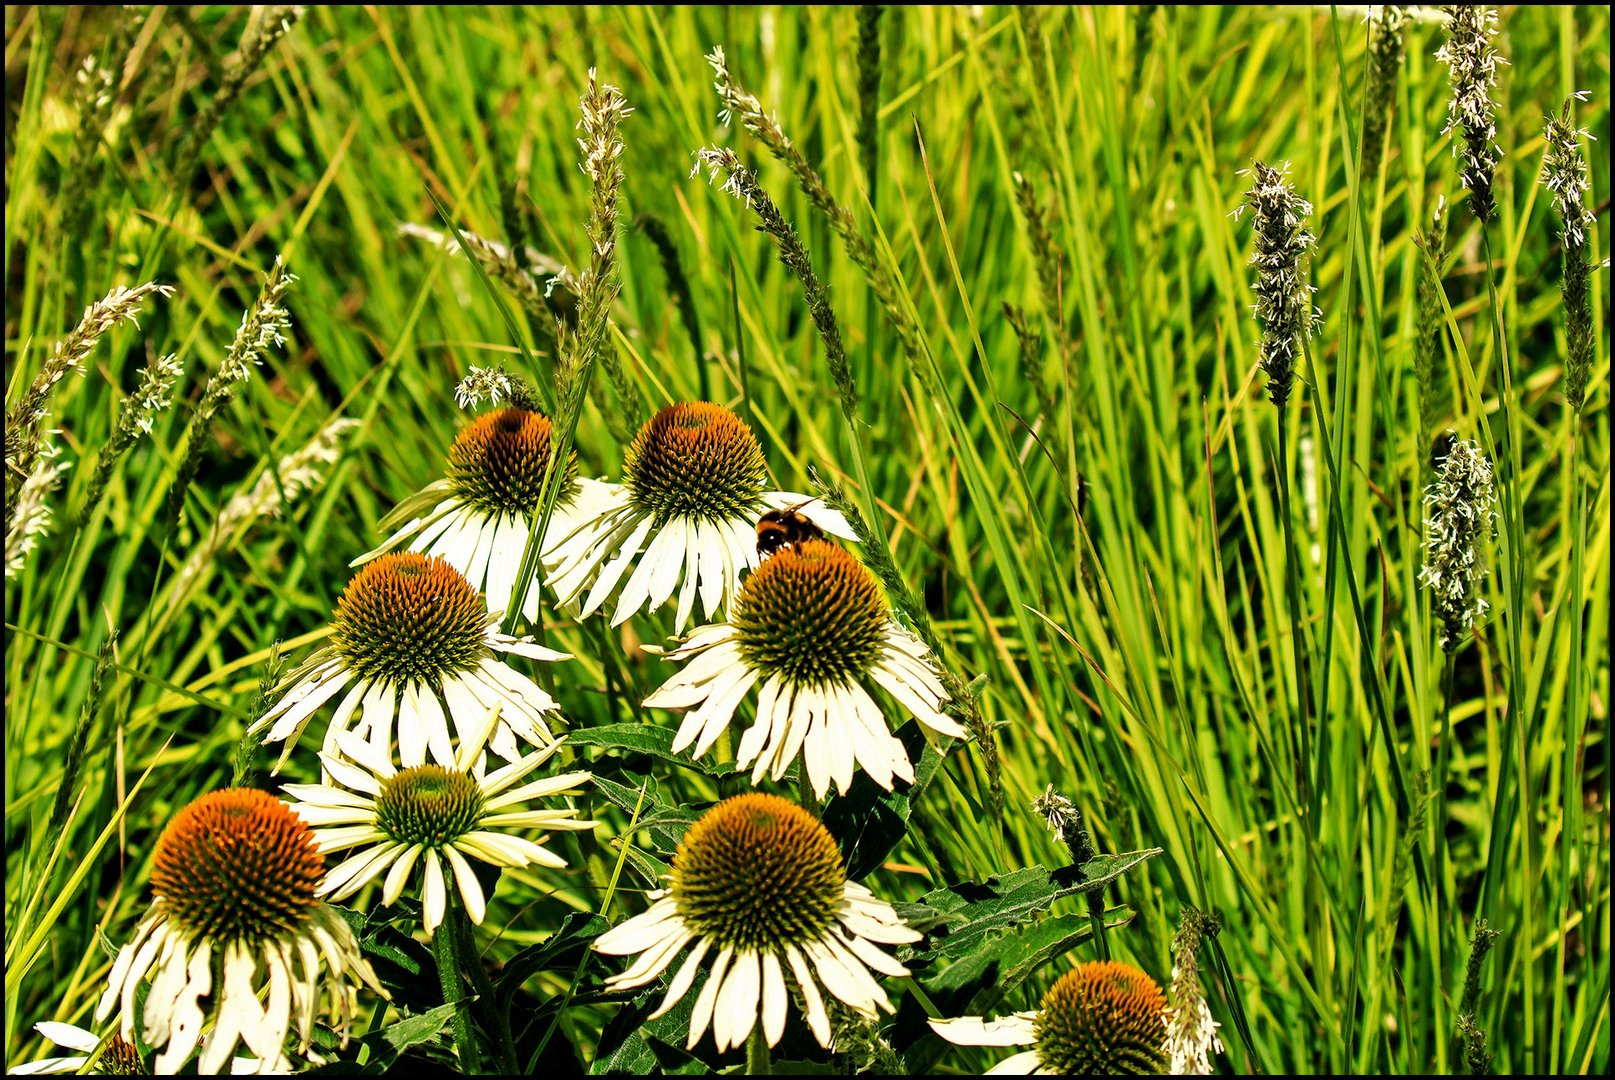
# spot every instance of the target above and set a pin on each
(480, 516)
(119, 1058)
(812, 633)
(414, 653)
(1104, 1017)
(428, 815)
(758, 886)
(235, 879)
(682, 522)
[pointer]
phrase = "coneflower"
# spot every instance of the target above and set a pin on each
(1105, 1017)
(1564, 172)
(1387, 42)
(1281, 248)
(414, 656)
(235, 919)
(1471, 113)
(1460, 515)
(759, 895)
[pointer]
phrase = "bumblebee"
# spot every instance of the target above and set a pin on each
(785, 528)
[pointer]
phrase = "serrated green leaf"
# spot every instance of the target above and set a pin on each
(966, 914)
(649, 739)
(1003, 963)
(405, 967)
(646, 866)
(665, 822)
(1101, 870)
(414, 1030)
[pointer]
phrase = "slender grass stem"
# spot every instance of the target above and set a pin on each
(1292, 591)
(1438, 855)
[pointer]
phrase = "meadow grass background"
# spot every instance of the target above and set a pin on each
(1118, 579)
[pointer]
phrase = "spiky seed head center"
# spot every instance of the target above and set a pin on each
(811, 614)
(408, 617)
(1104, 1017)
(758, 872)
(499, 461)
(696, 459)
(237, 865)
(120, 1058)
(429, 806)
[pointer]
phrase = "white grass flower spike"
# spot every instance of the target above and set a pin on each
(413, 646)
(683, 519)
(757, 889)
(435, 816)
(236, 941)
(812, 629)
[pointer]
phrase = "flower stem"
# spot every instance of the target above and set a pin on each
(445, 944)
(758, 1062)
(494, 1017)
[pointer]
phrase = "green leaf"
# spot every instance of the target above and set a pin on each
(649, 868)
(657, 742)
(869, 822)
(561, 949)
(1003, 963)
(632, 1044)
(964, 915)
(666, 823)
(414, 1030)
(1101, 870)
(403, 965)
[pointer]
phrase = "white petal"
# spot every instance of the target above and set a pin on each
(68, 1036)
(681, 981)
(775, 999)
(433, 901)
(1013, 1030)
(704, 1001)
(398, 876)
(470, 889)
(736, 1010)
(818, 1019)
(1023, 1064)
